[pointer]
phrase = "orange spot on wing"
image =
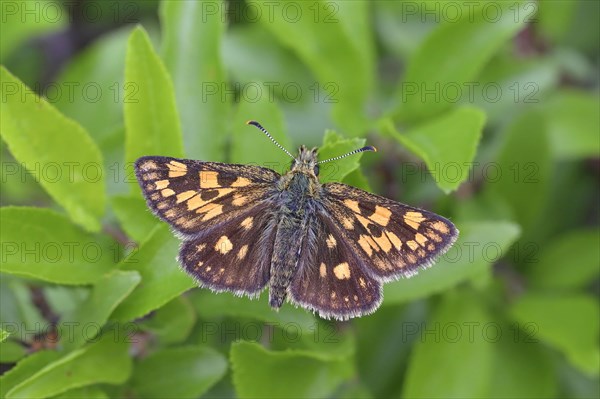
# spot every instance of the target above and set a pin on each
(176, 169)
(383, 242)
(342, 271)
(159, 185)
(352, 204)
(241, 182)
(247, 223)
(208, 179)
(185, 195)
(441, 227)
(323, 270)
(420, 238)
(381, 215)
(394, 239)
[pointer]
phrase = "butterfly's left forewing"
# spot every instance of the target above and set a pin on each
(394, 240)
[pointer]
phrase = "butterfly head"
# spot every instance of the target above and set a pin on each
(306, 161)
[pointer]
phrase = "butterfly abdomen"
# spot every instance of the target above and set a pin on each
(293, 218)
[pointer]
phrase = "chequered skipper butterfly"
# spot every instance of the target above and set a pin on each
(326, 247)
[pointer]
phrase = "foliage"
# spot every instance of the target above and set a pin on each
(487, 113)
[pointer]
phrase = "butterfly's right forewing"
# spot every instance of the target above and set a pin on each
(223, 213)
(193, 196)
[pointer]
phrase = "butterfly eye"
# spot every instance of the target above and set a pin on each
(316, 170)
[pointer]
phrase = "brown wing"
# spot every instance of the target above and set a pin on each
(392, 239)
(193, 196)
(330, 278)
(223, 214)
(235, 256)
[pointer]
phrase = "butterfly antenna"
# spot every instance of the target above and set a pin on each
(262, 129)
(367, 148)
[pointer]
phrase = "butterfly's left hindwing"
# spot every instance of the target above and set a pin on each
(331, 278)
(193, 196)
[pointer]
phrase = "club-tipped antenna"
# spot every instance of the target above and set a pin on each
(262, 129)
(367, 148)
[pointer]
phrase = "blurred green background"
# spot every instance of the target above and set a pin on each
(484, 112)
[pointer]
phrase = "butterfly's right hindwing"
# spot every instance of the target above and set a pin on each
(234, 257)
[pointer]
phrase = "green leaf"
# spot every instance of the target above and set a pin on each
(3, 335)
(162, 279)
(524, 165)
(85, 321)
(483, 207)
(212, 305)
(183, 372)
(18, 314)
(333, 39)
(357, 179)
(554, 18)
(64, 299)
(251, 146)
(523, 368)
(260, 373)
(507, 84)
(134, 216)
(91, 89)
(557, 268)
(173, 322)
(385, 340)
(478, 246)
(89, 392)
(36, 134)
(11, 351)
(25, 369)
(451, 56)
(449, 360)
(335, 145)
(120, 175)
(18, 25)
(569, 322)
(151, 120)
(447, 144)
(403, 39)
(192, 53)
(77, 369)
(261, 65)
(325, 339)
(42, 244)
(577, 384)
(573, 124)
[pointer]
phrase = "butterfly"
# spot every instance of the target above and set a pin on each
(325, 247)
